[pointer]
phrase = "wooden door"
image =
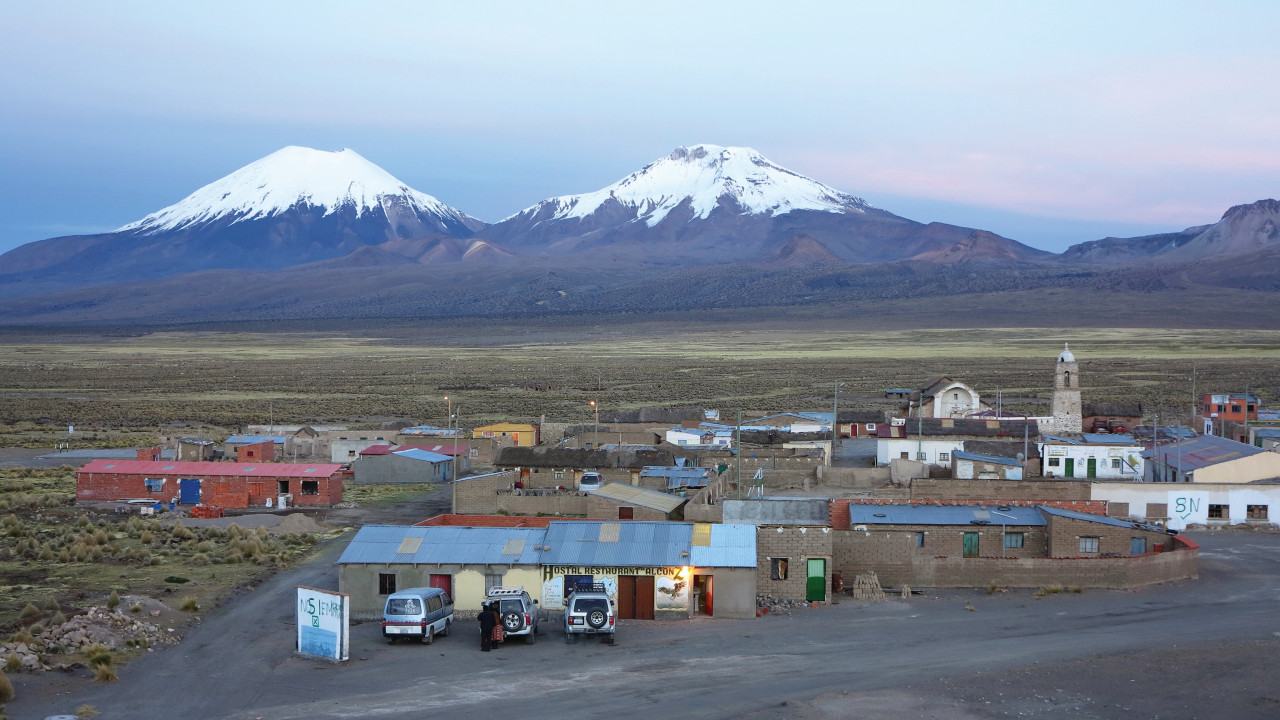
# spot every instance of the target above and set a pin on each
(1071, 467)
(1093, 467)
(626, 596)
(644, 597)
(971, 544)
(444, 582)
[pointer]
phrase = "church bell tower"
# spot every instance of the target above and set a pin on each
(1066, 393)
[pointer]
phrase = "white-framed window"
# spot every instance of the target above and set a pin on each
(1256, 512)
(778, 568)
(1089, 544)
(154, 485)
(1116, 463)
(944, 457)
(492, 580)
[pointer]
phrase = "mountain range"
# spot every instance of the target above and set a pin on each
(709, 226)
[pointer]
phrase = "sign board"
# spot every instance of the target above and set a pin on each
(324, 623)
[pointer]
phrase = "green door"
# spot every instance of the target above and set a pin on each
(1093, 467)
(1071, 467)
(816, 589)
(971, 544)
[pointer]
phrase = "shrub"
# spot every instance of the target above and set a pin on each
(86, 711)
(13, 663)
(6, 688)
(51, 605)
(99, 656)
(57, 619)
(29, 613)
(104, 674)
(190, 605)
(113, 600)
(147, 537)
(135, 609)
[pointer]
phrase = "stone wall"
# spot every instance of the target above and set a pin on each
(795, 545)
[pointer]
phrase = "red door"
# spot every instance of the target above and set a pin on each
(444, 582)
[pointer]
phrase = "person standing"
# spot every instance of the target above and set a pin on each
(488, 621)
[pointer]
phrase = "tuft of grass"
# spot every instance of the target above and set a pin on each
(51, 605)
(970, 607)
(6, 688)
(992, 588)
(30, 613)
(135, 609)
(113, 600)
(57, 619)
(13, 663)
(104, 675)
(189, 604)
(86, 711)
(99, 656)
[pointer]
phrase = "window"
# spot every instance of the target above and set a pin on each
(1235, 408)
(1256, 512)
(1013, 540)
(557, 474)
(1115, 463)
(1089, 544)
(944, 457)
(904, 456)
(777, 568)
(1219, 512)
(920, 456)
(919, 539)
(386, 583)
(434, 604)
(351, 454)
(282, 487)
(492, 581)
(626, 513)
(310, 487)
(1054, 462)
(154, 484)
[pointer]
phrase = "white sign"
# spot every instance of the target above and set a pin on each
(324, 623)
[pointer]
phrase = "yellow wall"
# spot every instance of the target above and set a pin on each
(1247, 469)
(469, 591)
(520, 434)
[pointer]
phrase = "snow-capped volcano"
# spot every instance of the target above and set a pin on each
(298, 176)
(703, 178)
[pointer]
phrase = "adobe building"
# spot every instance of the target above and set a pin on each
(224, 484)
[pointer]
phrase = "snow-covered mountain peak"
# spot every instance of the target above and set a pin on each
(290, 177)
(704, 176)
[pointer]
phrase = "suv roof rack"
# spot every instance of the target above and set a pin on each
(518, 589)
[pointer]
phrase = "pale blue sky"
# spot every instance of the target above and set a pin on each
(1048, 122)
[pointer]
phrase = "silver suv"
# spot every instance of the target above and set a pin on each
(517, 611)
(589, 611)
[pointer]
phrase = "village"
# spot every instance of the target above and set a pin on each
(682, 513)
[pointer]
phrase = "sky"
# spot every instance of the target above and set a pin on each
(1048, 122)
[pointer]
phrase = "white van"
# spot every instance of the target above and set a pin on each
(417, 613)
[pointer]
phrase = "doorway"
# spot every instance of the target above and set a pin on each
(1071, 467)
(971, 544)
(703, 592)
(635, 597)
(816, 583)
(444, 582)
(1093, 468)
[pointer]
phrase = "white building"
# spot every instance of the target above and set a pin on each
(1091, 455)
(1182, 504)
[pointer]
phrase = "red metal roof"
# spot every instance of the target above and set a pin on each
(164, 468)
(379, 450)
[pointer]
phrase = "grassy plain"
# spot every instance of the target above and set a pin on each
(121, 388)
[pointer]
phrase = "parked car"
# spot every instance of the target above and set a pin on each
(590, 481)
(517, 611)
(589, 611)
(421, 613)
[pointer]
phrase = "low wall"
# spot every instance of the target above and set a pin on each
(840, 506)
(1002, 490)
(895, 559)
(853, 478)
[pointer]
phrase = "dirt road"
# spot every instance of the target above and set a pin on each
(1193, 649)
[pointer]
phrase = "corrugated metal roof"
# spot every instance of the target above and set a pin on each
(642, 544)
(453, 545)
(731, 546)
(163, 468)
(252, 439)
(377, 450)
(781, 511)
(1088, 517)
(941, 515)
(642, 497)
(980, 457)
(1201, 451)
(425, 456)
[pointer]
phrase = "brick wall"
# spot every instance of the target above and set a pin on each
(256, 452)
(1065, 534)
(897, 561)
(602, 508)
(1039, 490)
(796, 545)
(491, 494)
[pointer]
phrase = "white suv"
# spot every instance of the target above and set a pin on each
(518, 612)
(590, 481)
(589, 611)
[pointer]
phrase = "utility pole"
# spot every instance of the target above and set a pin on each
(835, 421)
(738, 443)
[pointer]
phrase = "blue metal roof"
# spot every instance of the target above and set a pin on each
(679, 477)
(942, 515)
(1202, 451)
(643, 544)
(251, 439)
(980, 457)
(420, 454)
(731, 546)
(381, 544)
(1101, 519)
